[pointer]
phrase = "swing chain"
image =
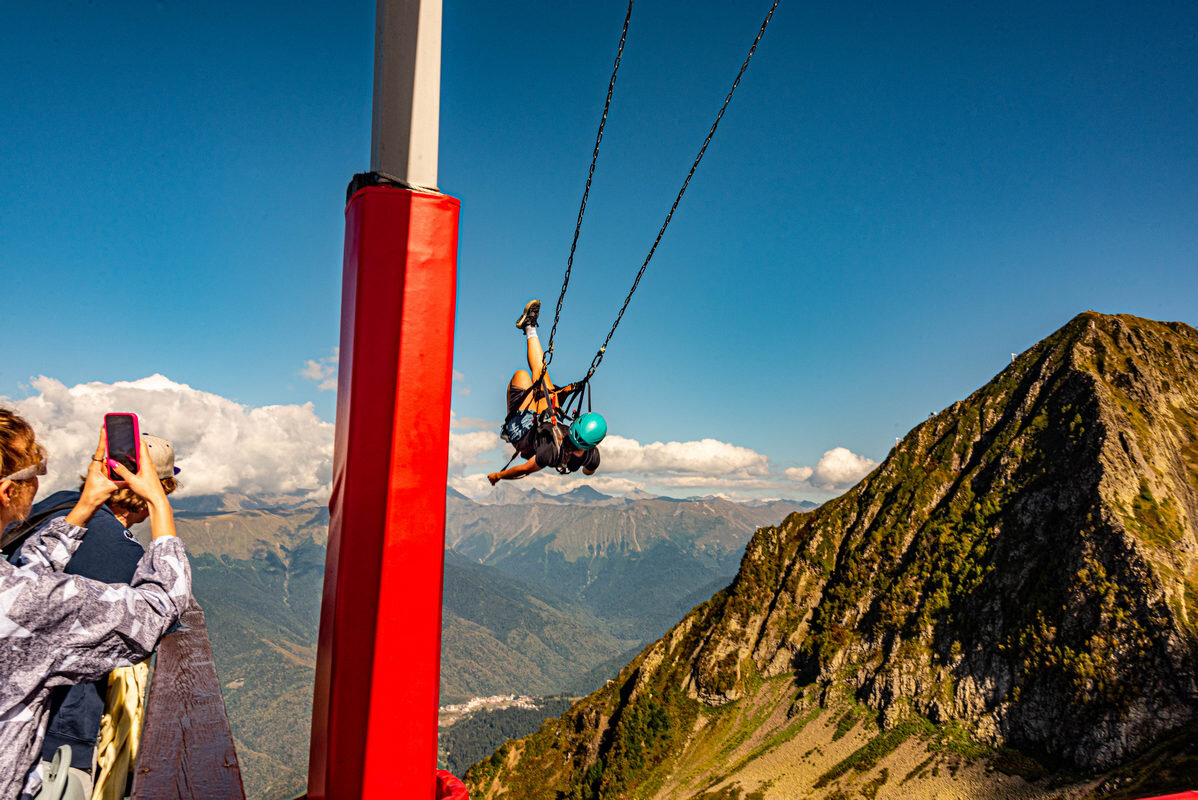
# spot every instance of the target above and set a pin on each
(640, 273)
(548, 354)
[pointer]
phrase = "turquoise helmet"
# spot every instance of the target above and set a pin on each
(587, 431)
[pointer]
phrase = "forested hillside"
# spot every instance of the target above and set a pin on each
(258, 566)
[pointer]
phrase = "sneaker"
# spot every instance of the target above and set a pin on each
(529, 317)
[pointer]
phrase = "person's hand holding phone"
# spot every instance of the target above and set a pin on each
(97, 487)
(144, 482)
(146, 485)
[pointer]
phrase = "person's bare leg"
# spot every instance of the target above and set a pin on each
(536, 357)
(534, 352)
(521, 381)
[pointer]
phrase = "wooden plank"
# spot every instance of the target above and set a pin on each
(186, 746)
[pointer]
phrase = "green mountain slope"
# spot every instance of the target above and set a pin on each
(1014, 590)
(258, 576)
(506, 636)
(478, 734)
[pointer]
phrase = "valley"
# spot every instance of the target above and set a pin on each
(551, 608)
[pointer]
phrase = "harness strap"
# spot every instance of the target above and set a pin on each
(510, 460)
(575, 394)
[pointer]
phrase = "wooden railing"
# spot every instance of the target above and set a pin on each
(186, 746)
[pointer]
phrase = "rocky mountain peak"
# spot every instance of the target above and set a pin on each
(584, 494)
(1023, 565)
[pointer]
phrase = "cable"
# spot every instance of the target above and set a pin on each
(548, 354)
(640, 273)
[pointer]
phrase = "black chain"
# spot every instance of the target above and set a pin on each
(548, 354)
(599, 355)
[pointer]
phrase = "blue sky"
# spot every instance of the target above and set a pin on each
(897, 200)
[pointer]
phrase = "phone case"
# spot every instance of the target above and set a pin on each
(112, 474)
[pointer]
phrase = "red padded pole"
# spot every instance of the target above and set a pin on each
(449, 787)
(374, 720)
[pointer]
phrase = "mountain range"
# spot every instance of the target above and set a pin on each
(635, 563)
(1007, 606)
(540, 598)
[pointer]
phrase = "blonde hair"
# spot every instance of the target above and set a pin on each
(18, 447)
(126, 499)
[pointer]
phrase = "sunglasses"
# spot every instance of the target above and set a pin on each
(29, 472)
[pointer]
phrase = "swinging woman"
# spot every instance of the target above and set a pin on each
(529, 426)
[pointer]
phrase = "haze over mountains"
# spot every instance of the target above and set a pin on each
(541, 597)
(634, 563)
(1006, 607)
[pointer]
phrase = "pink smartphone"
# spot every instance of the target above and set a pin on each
(123, 442)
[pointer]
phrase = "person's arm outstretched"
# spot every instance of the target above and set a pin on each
(145, 484)
(52, 546)
(86, 628)
(519, 471)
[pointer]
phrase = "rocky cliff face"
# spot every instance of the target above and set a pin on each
(1023, 566)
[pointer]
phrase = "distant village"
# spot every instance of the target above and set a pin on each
(491, 703)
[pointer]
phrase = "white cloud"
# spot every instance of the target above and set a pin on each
(702, 457)
(704, 465)
(220, 445)
(470, 422)
(474, 486)
(840, 468)
(460, 378)
(836, 470)
(467, 449)
(323, 371)
(224, 446)
(798, 474)
(715, 483)
(547, 481)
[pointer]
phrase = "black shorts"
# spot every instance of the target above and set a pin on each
(516, 396)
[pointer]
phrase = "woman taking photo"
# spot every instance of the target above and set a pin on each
(57, 629)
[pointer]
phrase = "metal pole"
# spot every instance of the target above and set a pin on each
(374, 708)
(407, 91)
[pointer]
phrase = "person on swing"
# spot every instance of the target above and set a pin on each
(544, 444)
